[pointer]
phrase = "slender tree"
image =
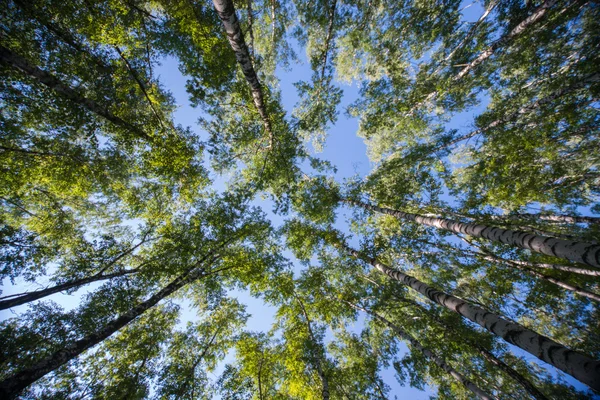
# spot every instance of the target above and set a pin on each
(481, 349)
(536, 16)
(318, 361)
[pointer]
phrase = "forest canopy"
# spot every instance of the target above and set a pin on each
(464, 263)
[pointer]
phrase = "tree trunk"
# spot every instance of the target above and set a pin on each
(584, 82)
(429, 354)
(513, 373)
(226, 12)
(136, 77)
(555, 267)
(537, 15)
(464, 137)
(579, 366)
(24, 298)
(558, 235)
(250, 29)
(580, 252)
(64, 34)
(16, 61)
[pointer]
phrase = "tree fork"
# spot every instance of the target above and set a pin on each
(580, 366)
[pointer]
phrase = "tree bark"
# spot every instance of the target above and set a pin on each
(136, 77)
(555, 267)
(24, 298)
(226, 12)
(250, 28)
(579, 366)
(439, 361)
(580, 252)
(16, 61)
(11, 386)
(65, 35)
(584, 82)
(513, 373)
(537, 15)
(469, 34)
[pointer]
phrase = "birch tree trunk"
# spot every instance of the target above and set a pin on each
(16, 61)
(580, 252)
(250, 28)
(64, 34)
(226, 12)
(429, 354)
(492, 359)
(555, 267)
(557, 282)
(468, 36)
(581, 367)
(23, 298)
(528, 265)
(329, 37)
(513, 373)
